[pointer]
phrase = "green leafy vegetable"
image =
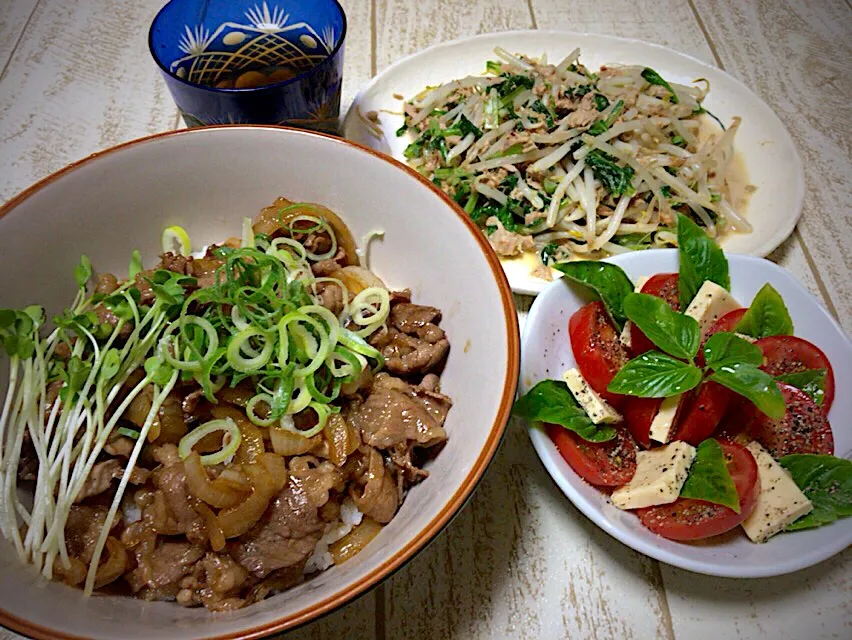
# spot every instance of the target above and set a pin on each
(673, 332)
(601, 126)
(811, 382)
(755, 385)
(826, 481)
(701, 110)
(654, 78)
(767, 315)
(727, 348)
(83, 272)
(135, 264)
(709, 478)
(601, 102)
(607, 280)
(551, 401)
(548, 253)
(700, 258)
(655, 375)
(616, 179)
(492, 66)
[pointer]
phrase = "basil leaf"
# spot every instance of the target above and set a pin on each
(709, 478)
(673, 332)
(726, 348)
(755, 385)
(701, 259)
(811, 382)
(551, 401)
(826, 481)
(607, 280)
(767, 315)
(655, 78)
(655, 375)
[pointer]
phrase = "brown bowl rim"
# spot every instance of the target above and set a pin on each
(459, 498)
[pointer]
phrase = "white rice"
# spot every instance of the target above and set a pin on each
(321, 559)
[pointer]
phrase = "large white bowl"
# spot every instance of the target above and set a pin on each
(547, 353)
(206, 180)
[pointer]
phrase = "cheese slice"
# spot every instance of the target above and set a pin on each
(626, 337)
(709, 304)
(660, 474)
(663, 423)
(598, 409)
(780, 501)
(640, 282)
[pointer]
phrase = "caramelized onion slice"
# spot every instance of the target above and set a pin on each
(220, 493)
(354, 541)
(235, 521)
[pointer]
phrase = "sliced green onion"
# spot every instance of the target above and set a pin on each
(322, 411)
(130, 433)
(176, 237)
(286, 256)
(319, 223)
(357, 344)
(319, 396)
(354, 364)
(375, 300)
(301, 399)
(189, 364)
(235, 348)
(256, 419)
(248, 234)
(231, 433)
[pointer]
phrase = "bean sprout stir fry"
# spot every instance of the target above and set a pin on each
(556, 159)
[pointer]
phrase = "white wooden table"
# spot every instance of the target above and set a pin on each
(520, 561)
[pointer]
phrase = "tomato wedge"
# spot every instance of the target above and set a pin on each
(698, 414)
(597, 349)
(662, 285)
(727, 323)
(688, 519)
(638, 414)
(805, 428)
(603, 464)
(789, 354)
(701, 413)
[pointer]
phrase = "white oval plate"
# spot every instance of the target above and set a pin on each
(546, 353)
(772, 162)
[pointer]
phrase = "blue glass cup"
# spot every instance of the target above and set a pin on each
(268, 62)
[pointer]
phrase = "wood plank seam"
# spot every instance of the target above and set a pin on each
(19, 40)
(706, 33)
(823, 289)
(532, 14)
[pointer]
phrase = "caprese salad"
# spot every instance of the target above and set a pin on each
(695, 413)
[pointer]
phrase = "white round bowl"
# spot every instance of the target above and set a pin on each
(547, 353)
(207, 180)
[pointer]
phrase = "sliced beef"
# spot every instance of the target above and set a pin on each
(157, 575)
(330, 296)
(171, 493)
(396, 412)
(284, 537)
(120, 446)
(413, 343)
(103, 473)
(326, 268)
(215, 582)
(375, 491)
